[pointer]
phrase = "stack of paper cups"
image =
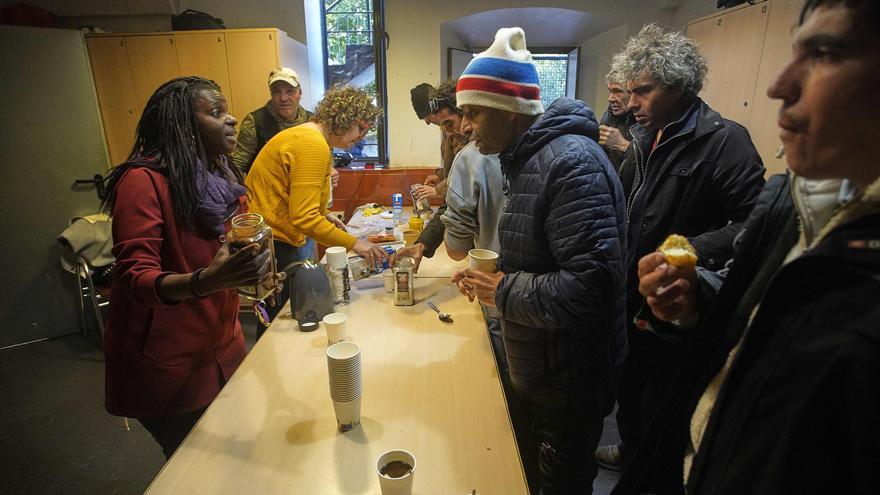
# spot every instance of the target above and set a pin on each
(344, 367)
(337, 273)
(337, 257)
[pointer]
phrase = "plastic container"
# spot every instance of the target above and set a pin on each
(397, 207)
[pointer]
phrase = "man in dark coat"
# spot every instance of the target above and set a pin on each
(560, 285)
(780, 392)
(616, 121)
(688, 171)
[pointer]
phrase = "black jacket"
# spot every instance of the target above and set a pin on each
(562, 243)
(798, 412)
(622, 124)
(701, 181)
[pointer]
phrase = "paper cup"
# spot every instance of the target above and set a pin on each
(393, 485)
(483, 260)
(348, 414)
(334, 323)
(410, 237)
(337, 256)
(344, 372)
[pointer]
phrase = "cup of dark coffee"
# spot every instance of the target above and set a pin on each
(396, 469)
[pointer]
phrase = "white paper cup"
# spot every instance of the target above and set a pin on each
(334, 323)
(344, 371)
(483, 260)
(396, 486)
(337, 256)
(348, 414)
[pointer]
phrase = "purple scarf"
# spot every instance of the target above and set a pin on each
(219, 195)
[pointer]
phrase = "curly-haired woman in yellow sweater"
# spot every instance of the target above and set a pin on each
(288, 182)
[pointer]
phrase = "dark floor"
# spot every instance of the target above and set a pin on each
(55, 436)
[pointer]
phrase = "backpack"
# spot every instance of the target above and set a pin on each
(193, 19)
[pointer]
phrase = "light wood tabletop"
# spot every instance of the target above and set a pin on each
(429, 387)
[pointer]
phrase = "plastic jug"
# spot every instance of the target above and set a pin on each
(310, 296)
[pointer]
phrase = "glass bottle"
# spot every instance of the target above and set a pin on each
(247, 229)
(403, 281)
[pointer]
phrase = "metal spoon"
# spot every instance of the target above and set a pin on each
(444, 317)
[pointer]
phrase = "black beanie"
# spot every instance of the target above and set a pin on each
(419, 96)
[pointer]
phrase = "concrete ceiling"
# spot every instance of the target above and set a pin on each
(544, 26)
(66, 8)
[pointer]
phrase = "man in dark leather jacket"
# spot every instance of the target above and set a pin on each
(560, 285)
(780, 390)
(688, 171)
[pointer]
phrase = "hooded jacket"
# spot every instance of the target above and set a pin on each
(797, 411)
(562, 239)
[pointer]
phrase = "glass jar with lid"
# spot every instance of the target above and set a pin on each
(247, 229)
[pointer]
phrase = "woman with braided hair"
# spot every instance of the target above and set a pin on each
(173, 337)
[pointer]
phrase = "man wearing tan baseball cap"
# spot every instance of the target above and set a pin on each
(280, 112)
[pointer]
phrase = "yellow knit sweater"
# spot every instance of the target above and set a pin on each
(289, 185)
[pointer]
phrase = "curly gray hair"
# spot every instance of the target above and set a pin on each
(614, 77)
(670, 58)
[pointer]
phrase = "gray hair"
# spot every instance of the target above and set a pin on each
(670, 58)
(614, 77)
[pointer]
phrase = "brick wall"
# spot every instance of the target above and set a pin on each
(357, 187)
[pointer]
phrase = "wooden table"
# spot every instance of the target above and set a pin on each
(429, 387)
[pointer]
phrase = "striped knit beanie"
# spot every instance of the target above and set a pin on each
(502, 77)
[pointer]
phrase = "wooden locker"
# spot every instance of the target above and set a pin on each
(777, 53)
(251, 55)
(116, 97)
(153, 61)
(204, 54)
(732, 44)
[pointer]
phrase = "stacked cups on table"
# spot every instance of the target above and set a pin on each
(337, 262)
(344, 367)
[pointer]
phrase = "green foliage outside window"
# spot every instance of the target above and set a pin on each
(552, 74)
(348, 22)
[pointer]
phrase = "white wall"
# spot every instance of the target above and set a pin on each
(287, 15)
(415, 30)
(595, 62)
(155, 15)
(418, 44)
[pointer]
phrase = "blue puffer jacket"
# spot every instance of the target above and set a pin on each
(562, 298)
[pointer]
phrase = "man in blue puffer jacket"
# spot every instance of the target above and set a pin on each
(561, 285)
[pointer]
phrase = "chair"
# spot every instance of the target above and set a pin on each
(93, 299)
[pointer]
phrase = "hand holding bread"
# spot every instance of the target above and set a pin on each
(668, 279)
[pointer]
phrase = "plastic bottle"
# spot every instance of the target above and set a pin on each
(397, 207)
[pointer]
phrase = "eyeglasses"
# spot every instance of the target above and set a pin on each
(435, 104)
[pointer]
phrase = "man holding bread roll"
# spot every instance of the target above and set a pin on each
(688, 171)
(780, 390)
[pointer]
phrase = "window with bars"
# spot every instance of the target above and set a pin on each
(354, 54)
(553, 75)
